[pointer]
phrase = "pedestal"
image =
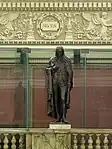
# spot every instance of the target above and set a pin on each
(51, 139)
(58, 126)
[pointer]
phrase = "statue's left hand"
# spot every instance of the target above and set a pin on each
(70, 85)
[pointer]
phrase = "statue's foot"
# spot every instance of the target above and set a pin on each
(62, 121)
(65, 121)
(58, 120)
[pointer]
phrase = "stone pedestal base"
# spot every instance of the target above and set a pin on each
(52, 138)
(59, 126)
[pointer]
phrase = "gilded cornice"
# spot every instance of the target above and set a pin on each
(43, 6)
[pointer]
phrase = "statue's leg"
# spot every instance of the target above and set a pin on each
(63, 90)
(55, 88)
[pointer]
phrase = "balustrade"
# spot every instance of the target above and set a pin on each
(92, 140)
(80, 138)
(12, 139)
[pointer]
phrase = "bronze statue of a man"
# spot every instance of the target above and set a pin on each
(60, 83)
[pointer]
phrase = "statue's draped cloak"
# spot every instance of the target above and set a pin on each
(50, 96)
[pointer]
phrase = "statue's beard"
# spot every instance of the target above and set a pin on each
(58, 56)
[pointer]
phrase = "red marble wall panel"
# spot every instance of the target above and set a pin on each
(98, 99)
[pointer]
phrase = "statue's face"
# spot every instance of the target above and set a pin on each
(59, 52)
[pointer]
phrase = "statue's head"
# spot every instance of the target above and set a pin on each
(59, 52)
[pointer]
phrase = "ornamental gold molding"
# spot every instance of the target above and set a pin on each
(90, 5)
(49, 23)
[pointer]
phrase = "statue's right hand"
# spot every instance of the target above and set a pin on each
(55, 68)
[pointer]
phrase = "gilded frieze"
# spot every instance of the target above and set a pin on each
(56, 22)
